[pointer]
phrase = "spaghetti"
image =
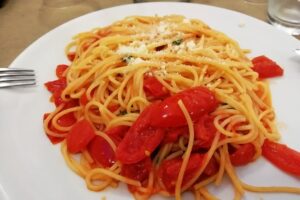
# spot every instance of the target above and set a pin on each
(119, 78)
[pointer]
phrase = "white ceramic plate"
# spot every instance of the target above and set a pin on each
(32, 168)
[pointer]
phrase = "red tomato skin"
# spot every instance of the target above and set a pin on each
(140, 140)
(154, 88)
(205, 131)
(67, 120)
(101, 152)
(113, 107)
(71, 56)
(53, 140)
(139, 171)
(79, 136)
(71, 103)
(83, 99)
(117, 132)
(56, 85)
(57, 98)
(100, 149)
(169, 170)
(243, 155)
(60, 69)
(260, 59)
(135, 145)
(198, 101)
(173, 134)
(212, 167)
(266, 68)
(282, 156)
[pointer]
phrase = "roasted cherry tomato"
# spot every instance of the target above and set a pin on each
(141, 139)
(117, 132)
(67, 120)
(101, 151)
(137, 145)
(169, 170)
(71, 103)
(198, 101)
(60, 69)
(212, 167)
(173, 134)
(266, 68)
(139, 171)
(205, 131)
(57, 98)
(56, 87)
(154, 88)
(243, 155)
(282, 156)
(79, 136)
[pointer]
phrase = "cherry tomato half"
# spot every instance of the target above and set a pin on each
(79, 136)
(139, 171)
(205, 132)
(101, 151)
(198, 101)
(173, 134)
(266, 68)
(141, 139)
(154, 88)
(243, 155)
(169, 170)
(282, 156)
(60, 69)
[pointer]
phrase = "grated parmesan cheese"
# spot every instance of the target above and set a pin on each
(137, 61)
(191, 45)
(162, 27)
(129, 50)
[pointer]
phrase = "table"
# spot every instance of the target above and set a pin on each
(22, 22)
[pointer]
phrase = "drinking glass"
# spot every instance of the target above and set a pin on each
(55, 12)
(285, 15)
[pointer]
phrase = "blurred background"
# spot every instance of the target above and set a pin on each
(24, 21)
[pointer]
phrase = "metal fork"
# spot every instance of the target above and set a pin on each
(11, 77)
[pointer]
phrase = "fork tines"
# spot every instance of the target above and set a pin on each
(10, 77)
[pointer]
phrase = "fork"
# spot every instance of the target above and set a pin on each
(11, 77)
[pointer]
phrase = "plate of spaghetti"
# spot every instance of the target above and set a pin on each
(155, 101)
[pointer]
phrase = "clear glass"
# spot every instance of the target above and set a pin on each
(55, 12)
(285, 15)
